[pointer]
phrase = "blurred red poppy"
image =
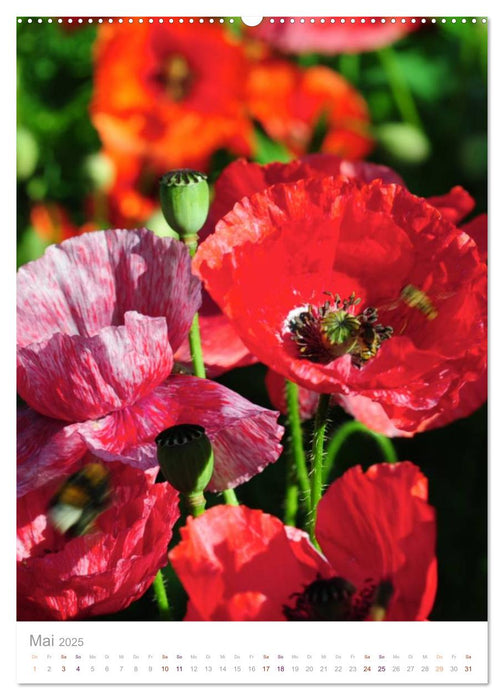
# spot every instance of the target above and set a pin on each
(309, 109)
(170, 93)
(52, 223)
(377, 535)
(105, 570)
(421, 281)
(134, 192)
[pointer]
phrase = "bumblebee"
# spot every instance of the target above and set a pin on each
(80, 500)
(369, 341)
(368, 345)
(416, 299)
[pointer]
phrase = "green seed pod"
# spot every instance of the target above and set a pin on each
(185, 456)
(185, 200)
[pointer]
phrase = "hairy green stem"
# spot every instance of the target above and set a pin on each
(298, 482)
(196, 349)
(296, 429)
(316, 482)
(291, 497)
(161, 597)
(344, 432)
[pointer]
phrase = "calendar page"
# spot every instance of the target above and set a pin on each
(251, 350)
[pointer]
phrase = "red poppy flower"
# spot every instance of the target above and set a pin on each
(169, 93)
(418, 335)
(378, 555)
(291, 102)
(98, 319)
(105, 570)
(222, 347)
(242, 179)
(329, 35)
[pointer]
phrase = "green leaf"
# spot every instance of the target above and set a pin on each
(268, 151)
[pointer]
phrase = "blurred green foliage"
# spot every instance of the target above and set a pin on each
(427, 95)
(54, 72)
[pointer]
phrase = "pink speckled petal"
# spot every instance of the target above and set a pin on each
(245, 437)
(330, 37)
(90, 281)
(46, 449)
(104, 570)
(75, 378)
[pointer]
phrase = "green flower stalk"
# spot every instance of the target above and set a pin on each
(185, 456)
(185, 200)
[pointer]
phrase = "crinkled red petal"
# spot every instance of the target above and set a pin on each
(100, 572)
(243, 179)
(236, 563)
(379, 525)
(477, 228)
(455, 205)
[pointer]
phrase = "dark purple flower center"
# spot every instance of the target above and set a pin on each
(337, 599)
(324, 333)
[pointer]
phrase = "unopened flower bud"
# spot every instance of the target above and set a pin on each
(185, 200)
(185, 456)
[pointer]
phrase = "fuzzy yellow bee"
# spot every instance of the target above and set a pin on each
(80, 500)
(416, 299)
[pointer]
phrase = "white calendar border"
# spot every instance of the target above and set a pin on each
(258, 7)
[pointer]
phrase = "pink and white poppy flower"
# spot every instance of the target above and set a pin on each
(99, 319)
